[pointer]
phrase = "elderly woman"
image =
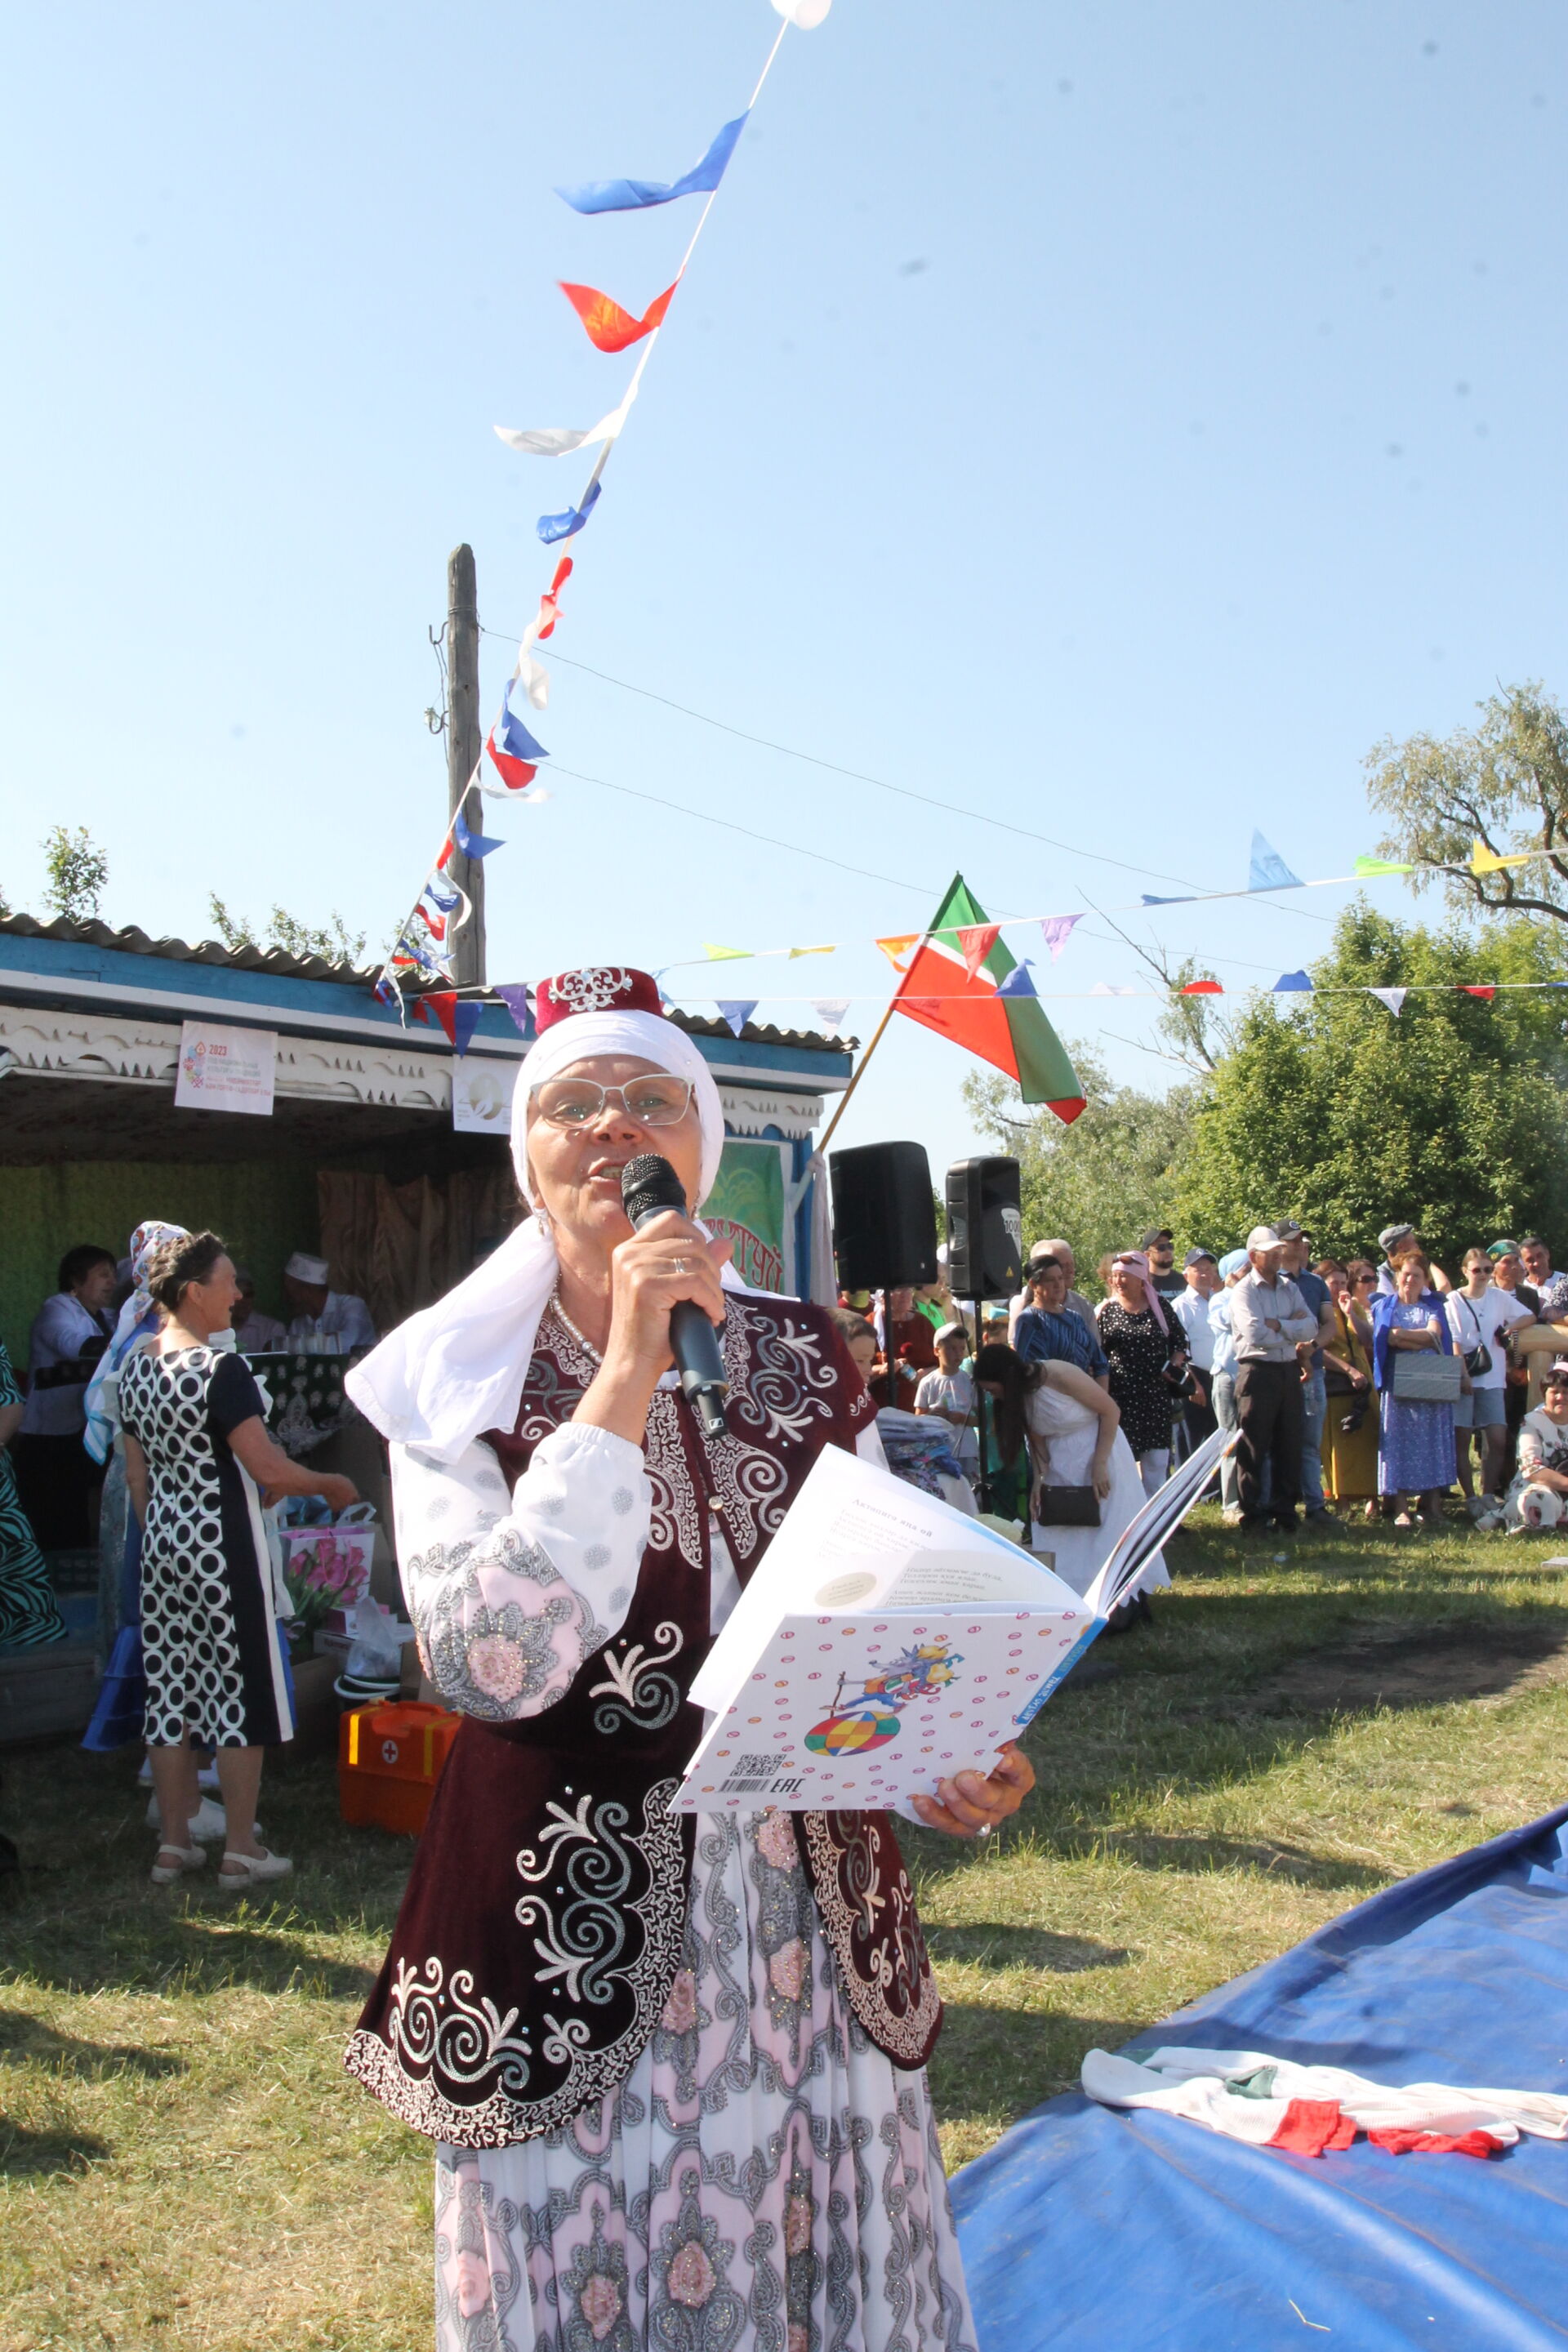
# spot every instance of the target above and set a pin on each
(1415, 1437)
(1350, 1427)
(1539, 1495)
(673, 2064)
(1148, 1363)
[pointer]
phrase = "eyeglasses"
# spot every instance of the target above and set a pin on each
(1366, 1282)
(656, 1099)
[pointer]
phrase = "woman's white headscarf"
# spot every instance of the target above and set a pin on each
(457, 1368)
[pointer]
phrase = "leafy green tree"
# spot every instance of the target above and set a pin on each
(1101, 1182)
(1451, 1116)
(78, 871)
(1503, 783)
(334, 941)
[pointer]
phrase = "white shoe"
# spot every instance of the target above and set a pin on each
(252, 1869)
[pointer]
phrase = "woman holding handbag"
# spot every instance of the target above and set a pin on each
(1480, 1318)
(1084, 1485)
(1417, 1396)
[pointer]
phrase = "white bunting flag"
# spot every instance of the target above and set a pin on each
(1393, 997)
(560, 440)
(830, 1012)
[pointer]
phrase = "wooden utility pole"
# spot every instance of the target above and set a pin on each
(463, 755)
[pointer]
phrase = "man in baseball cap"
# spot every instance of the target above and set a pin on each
(1268, 1319)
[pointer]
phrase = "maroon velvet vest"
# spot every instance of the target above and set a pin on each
(543, 1920)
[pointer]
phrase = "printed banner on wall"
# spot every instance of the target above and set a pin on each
(747, 1207)
(482, 1096)
(226, 1069)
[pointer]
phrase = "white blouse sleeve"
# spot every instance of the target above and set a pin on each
(509, 1599)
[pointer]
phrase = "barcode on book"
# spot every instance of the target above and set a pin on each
(752, 1775)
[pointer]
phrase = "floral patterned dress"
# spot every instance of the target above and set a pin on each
(29, 1611)
(761, 2174)
(1139, 1351)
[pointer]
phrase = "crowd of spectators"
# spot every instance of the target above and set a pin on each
(1375, 1384)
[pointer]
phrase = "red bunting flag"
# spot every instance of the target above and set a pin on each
(608, 327)
(518, 775)
(440, 1005)
(1488, 993)
(976, 940)
(1202, 988)
(548, 608)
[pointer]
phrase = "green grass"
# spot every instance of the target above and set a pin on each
(182, 2162)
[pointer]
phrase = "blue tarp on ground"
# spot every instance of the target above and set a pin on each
(1138, 2232)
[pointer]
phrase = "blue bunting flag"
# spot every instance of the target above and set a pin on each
(1017, 982)
(551, 528)
(472, 844)
(1269, 870)
(631, 195)
(1292, 984)
(737, 1010)
(515, 999)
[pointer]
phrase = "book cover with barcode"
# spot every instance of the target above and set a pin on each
(847, 1711)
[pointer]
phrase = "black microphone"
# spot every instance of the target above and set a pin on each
(649, 1186)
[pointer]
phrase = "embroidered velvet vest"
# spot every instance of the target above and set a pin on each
(543, 1920)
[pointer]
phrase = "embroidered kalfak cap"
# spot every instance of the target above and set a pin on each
(599, 988)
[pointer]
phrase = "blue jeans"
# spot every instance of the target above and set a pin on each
(1314, 1411)
(1223, 1387)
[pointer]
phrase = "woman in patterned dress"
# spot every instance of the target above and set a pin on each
(1415, 1438)
(673, 2064)
(196, 1452)
(1136, 1338)
(29, 1611)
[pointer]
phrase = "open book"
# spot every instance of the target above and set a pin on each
(886, 1642)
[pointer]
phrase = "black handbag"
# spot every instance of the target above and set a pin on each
(1068, 1506)
(1478, 1359)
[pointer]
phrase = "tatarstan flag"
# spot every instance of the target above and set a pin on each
(963, 983)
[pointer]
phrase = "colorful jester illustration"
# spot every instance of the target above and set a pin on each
(870, 1719)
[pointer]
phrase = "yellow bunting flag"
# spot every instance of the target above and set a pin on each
(895, 949)
(725, 955)
(831, 949)
(1486, 861)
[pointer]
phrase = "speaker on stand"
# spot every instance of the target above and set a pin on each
(884, 1216)
(985, 1254)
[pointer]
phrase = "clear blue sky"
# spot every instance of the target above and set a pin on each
(1108, 420)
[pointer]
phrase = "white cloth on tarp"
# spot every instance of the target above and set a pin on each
(1194, 2084)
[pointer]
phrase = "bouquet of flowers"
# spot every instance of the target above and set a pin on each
(325, 1568)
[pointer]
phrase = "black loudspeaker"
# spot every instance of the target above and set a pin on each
(984, 1229)
(884, 1216)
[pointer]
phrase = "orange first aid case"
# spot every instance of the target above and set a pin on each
(389, 1761)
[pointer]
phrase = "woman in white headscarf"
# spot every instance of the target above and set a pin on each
(673, 2065)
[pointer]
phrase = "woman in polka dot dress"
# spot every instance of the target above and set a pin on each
(196, 1453)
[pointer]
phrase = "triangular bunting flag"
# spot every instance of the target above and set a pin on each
(830, 1012)
(554, 526)
(1483, 992)
(1104, 988)
(1058, 930)
(435, 1009)
(976, 941)
(534, 680)
(631, 195)
(514, 996)
(1202, 988)
(895, 949)
(726, 955)
(737, 1010)
(1148, 901)
(607, 326)
(1011, 1032)
(465, 1021)
(1017, 982)
(472, 844)
(560, 440)
(1486, 861)
(1269, 870)
(830, 950)
(1292, 984)
(1393, 997)
(1365, 866)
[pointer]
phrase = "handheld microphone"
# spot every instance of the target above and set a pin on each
(649, 1186)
